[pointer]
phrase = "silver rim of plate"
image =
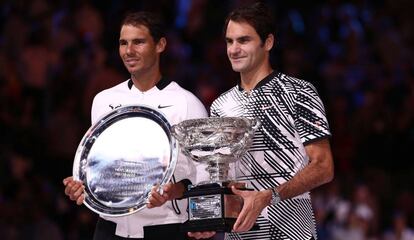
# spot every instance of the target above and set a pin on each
(122, 156)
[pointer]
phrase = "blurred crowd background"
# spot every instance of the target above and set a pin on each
(56, 55)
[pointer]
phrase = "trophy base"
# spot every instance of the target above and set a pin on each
(212, 207)
(217, 225)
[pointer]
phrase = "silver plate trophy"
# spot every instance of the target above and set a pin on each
(216, 142)
(122, 156)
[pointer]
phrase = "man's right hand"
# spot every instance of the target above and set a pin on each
(74, 189)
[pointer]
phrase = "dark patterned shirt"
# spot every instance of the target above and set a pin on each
(292, 115)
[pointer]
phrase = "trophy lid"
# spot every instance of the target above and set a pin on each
(122, 156)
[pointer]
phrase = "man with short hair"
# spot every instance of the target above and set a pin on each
(290, 154)
(142, 40)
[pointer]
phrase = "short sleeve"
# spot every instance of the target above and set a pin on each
(310, 117)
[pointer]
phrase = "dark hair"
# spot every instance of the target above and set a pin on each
(150, 20)
(257, 15)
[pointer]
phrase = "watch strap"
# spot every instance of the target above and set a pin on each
(275, 197)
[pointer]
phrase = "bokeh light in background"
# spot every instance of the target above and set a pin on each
(56, 55)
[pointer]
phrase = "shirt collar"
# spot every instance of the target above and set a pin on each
(160, 85)
(261, 82)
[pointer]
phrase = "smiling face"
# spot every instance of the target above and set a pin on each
(245, 50)
(138, 50)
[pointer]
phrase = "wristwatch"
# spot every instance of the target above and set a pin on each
(275, 197)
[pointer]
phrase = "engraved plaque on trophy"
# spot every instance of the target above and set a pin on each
(216, 142)
(122, 156)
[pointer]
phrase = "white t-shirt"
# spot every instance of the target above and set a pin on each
(177, 104)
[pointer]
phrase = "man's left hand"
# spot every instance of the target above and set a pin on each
(254, 203)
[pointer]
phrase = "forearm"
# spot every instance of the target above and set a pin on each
(318, 172)
(304, 181)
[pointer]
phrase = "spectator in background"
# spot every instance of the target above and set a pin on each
(399, 229)
(358, 54)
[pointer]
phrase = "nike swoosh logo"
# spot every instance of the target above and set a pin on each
(164, 106)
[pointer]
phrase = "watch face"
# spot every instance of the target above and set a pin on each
(122, 156)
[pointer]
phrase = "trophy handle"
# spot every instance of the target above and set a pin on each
(256, 123)
(177, 132)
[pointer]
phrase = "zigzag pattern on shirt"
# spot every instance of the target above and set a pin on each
(294, 217)
(265, 232)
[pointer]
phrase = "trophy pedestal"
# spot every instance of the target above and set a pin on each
(217, 225)
(211, 207)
